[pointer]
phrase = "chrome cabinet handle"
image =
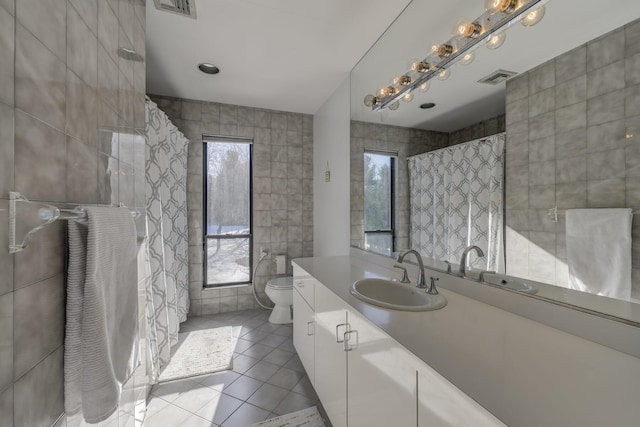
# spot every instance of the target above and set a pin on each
(309, 324)
(300, 284)
(346, 339)
(346, 325)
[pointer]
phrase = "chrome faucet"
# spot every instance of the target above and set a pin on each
(463, 261)
(420, 283)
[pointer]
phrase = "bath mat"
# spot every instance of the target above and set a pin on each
(200, 352)
(309, 417)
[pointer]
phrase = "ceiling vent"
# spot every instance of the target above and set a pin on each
(181, 7)
(497, 77)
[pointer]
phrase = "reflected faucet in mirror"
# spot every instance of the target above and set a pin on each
(463, 259)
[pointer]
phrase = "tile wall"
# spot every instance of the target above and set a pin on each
(567, 125)
(282, 185)
(478, 130)
(71, 113)
(406, 142)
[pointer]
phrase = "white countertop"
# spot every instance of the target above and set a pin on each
(494, 356)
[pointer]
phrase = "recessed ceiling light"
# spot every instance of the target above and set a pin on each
(208, 68)
(427, 105)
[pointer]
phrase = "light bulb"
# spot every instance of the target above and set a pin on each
(443, 51)
(533, 17)
(368, 100)
(420, 67)
(424, 87)
(407, 97)
(468, 58)
(500, 6)
(394, 106)
(468, 29)
(496, 40)
(403, 80)
(385, 91)
(444, 74)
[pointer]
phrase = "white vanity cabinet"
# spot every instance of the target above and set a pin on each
(360, 371)
(304, 328)
(364, 377)
(381, 377)
(331, 359)
(441, 404)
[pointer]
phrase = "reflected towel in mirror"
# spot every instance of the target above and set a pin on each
(599, 251)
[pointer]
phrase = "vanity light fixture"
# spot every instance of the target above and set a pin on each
(533, 17)
(421, 67)
(488, 29)
(468, 29)
(208, 68)
(443, 51)
(407, 97)
(500, 6)
(468, 58)
(494, 41)
(444, 74)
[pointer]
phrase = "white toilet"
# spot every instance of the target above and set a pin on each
(280, 291)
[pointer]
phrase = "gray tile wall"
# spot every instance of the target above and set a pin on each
(478, 130)
(406, 142)
(71, 114)
(572, 141)
(282, 185)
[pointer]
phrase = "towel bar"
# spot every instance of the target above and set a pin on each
(48, 213)
(554, 212)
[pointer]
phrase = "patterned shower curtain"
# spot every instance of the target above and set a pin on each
(166, 203)
(456, 200)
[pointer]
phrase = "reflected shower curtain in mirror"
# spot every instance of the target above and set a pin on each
(166, 203)
(456, 200)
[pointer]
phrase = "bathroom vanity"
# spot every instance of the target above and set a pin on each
(467, 363)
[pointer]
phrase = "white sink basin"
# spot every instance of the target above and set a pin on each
(397, 296)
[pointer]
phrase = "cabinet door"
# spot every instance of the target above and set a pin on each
(330, 357)
(440, 403)
(303, 327)
(381, 378)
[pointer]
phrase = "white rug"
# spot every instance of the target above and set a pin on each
(309, 417)
(200, 352)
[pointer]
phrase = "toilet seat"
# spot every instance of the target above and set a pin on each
(280, 283)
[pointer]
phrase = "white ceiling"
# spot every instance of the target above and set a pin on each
(287, 55)
(460, 100)
(291, 55)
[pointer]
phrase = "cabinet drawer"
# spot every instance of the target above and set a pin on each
(304, 286)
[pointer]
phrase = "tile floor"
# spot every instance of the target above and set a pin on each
(267, 379)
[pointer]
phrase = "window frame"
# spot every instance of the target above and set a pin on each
(393, 157)
(205, 191)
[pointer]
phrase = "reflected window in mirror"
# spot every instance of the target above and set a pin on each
(379, 181)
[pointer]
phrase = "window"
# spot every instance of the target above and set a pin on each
(227, 211)
(379, 172)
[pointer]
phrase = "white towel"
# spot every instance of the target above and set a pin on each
(599, 251)
(102, 309)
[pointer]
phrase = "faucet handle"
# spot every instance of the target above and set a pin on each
(482, 273)
(431, 289)
(448, 266)
(405, 276)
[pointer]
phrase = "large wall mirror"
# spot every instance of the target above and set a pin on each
(565, 126)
